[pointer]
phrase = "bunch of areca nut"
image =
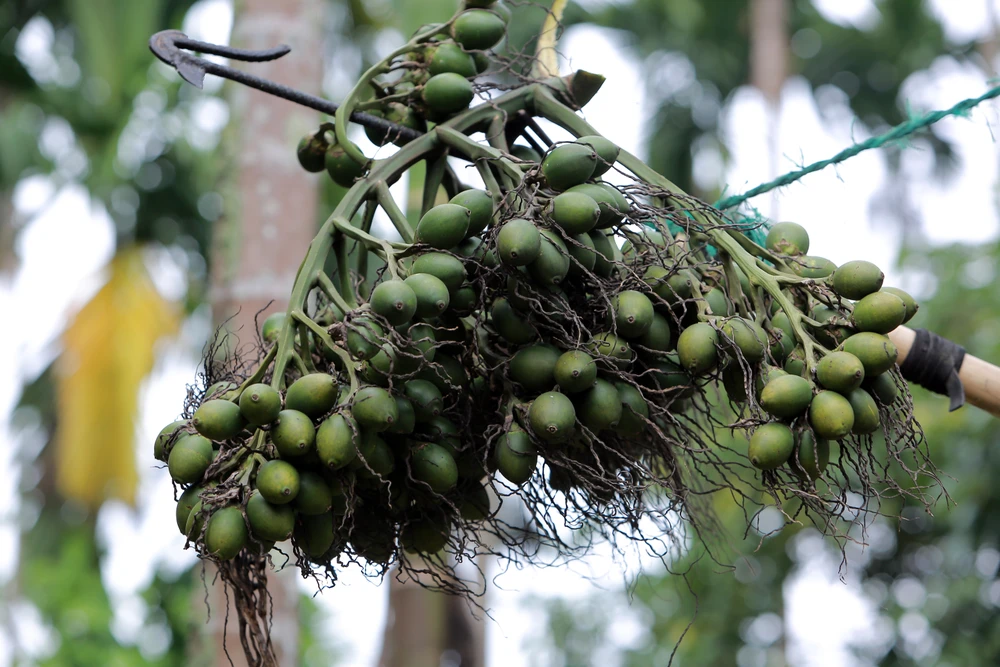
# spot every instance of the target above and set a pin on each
(558, 327)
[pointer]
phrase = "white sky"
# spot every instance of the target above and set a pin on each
(66, 243)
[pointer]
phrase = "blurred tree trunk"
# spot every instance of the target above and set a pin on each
(270, 218)
(769, 50)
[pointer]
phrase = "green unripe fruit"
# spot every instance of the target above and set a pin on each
(480, 205)
(632, 313)
(575, 212)
(552, 264)
(658, 337)
(718, 304)
(882, 387)
(222, 389)
(271, 327)
(813, 267)
(170, 432)
(515, 456)
(313, 395)
(671, 287)
(581, 250)
(449, 57)
(364, 338)
(509, 324)
(424, 535)
(187, 501)
(312, 153)
(765, 376)
(911, 305)
(315, 535)
(879, 313)
(605, 345)
(293, 434)
(407, 419)
(782, 346)
(533, 367)
(781, 322)
(194, 527)
(552, 417)
(260, 404)
(610, 200)
(814, 455)
(471, 4)
(568, 165)
(482, 61)
(696, 347)
(278, 482)
(770, 446)
(432, 294)
(857, 279)
(314, 497)
(374, 409)
(395, 301)
(342, 167)
(600, 407)
(477, 30)
(734, 379)
(423, 343)
(189, 459)
(443, 226)
(866, 419)
(433, 465)
(445, 268)
(377, 456)
(651, 242)
(425, 399)
(337, 441)
(831, 415)
(788, 238)
(748, 336)
(525, 153)
(841, 372)
(607, 152)
(475, 503)
(876, 352)
(268, 522)
(447, 93)
(635, 410)
(442, 431)
(607, 254)
(226, 534)
(518, 242)
(575, 371)
(218, 420)
(786, 396)
(795, 364)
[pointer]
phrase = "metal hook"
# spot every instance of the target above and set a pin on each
(167, 45)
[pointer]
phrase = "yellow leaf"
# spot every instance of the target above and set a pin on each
(546, 56)
(108, 349)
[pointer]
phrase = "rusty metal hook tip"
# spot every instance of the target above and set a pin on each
(169, 45)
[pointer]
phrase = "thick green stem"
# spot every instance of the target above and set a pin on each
(475, 151)
(324, 283)
(396, 215)
(436, 167)
(366, 226)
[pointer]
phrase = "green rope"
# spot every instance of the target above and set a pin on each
(899, 132)
(755, 226)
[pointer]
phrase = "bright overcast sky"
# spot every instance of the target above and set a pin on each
(66, 243)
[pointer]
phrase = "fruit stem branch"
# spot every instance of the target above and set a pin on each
(366, 226)
(351, 101)
(432, 180)
(330, 290)
(475, 151)
(391, 208)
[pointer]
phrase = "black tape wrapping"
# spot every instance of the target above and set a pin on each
(933, 363)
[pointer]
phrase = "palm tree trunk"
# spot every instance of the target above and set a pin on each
(270, 218)
(769, 48)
